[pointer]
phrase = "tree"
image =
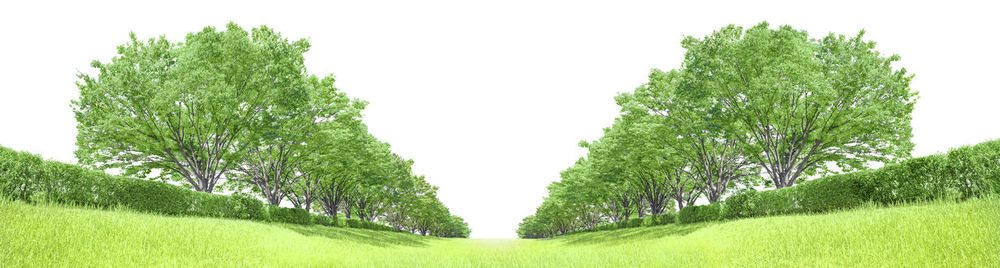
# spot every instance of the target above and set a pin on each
(628, 150)
(288, 133)
(334, 168)
(701, 133)
(806, 103)
(178, 111)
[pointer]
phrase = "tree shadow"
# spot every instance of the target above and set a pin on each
(382, 239)
(620, 236)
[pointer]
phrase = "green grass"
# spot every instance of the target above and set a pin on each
(965, 234)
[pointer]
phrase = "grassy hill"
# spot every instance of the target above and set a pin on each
(929, 234)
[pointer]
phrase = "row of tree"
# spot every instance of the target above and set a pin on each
(760, 107)
(237, 110)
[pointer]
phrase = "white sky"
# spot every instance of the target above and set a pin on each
(491, 99)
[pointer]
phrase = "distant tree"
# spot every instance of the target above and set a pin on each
(288, 133)
(711, 147)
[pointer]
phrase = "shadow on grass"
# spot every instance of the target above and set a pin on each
(630, 234)
(370, 237)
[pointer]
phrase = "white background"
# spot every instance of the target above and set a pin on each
(491, 99)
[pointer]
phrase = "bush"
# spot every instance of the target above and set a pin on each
(740, 205)
(976, 169)
(774, 202)
(605, 227)
(323, 220)
(354, 223)
(634, 222)
(917, 179)
(830, 193)
(658, 219)
(360, 224)
(694, 214)
(650, 220)
(668, 218)
(27, 177)
(288, 215)
(248, 207)
(964, 172)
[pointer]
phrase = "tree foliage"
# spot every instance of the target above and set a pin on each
(237, 108)
(745, 105)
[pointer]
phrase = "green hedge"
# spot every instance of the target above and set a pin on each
(629, 223)
(692, 214)
(24, 176)
(360, 224)
(604, 227)
(27, 177)
(976, 169)
(658, 219)
(962, 173)
(324, 220)
(741, 204)
(249, 207)
(289, 215)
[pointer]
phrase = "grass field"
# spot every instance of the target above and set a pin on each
(963, 234)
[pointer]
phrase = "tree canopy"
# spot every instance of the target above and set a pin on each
(747, 108)
(237, 109)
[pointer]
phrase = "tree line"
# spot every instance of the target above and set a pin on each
(236, 110)
(756, 107)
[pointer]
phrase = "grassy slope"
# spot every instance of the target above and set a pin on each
(935, 234)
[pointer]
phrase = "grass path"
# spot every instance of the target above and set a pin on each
(937, 234)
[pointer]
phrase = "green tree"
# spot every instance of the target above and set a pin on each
(702, 136)
(178, 111)
(806, 103)
(288, 133)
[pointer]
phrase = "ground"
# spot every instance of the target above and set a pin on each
(962, 234)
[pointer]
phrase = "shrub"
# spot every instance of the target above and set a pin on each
(668, 218)
(740, 205)
(658, 219)
(248, 207)
(694, 214)
(964, 172)
(323, 220)
(916, 179)
(634, 222)
(288, 215)
(829, 193)
(976, 169)
(353, 223)
(361, 224)
(605, 227)
(650, 220)
(27, 177)
(774, 202)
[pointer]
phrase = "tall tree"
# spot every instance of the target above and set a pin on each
(287, 135)
(177, 111)
(698, 131)
(806, 103)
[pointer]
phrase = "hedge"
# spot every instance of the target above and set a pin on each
(658, 219)
(324, 220)
(24, 176)
(360, 224)
(289, 215)
(27, 177)
(976, 169)
(692, 214)
(963, 172)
